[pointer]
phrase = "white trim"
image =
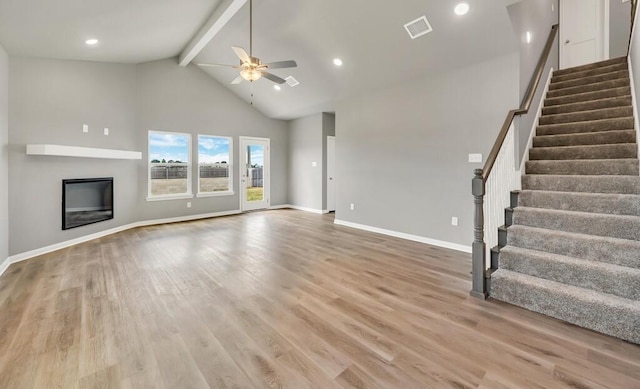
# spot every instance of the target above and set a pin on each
(634, 102)
(307, 209)
(57, 246)
(402, 235)
(281, 206)
(170, 197)
(532, 132)
(83, 152)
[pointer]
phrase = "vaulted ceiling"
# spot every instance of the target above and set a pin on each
(367, 35)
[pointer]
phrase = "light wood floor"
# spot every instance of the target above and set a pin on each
(280, 299)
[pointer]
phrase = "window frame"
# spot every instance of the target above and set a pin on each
(176, 196)
(230, 165)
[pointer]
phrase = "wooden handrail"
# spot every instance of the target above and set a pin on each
(478, 256)
(524, 106)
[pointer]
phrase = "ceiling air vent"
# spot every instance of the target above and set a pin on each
(292, 81)
(418, 27)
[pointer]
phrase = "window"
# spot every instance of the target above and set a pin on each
(215, 171)
(169, 165)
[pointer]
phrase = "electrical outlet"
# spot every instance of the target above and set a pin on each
(454, 221)
(85, 128)
(106, 131)
(314, 164)
(188, 204)
(353, 206)
(475, 158)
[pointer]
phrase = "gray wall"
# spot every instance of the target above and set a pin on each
(4, 159)
(328, 129)
(51, 99)
(48, 103)
(172, 98)
(619, 25)
(401, 152)
(306, 147)
(537, 17)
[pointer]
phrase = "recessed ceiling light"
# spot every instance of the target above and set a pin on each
(91, 42)
(277, 87)
(461, 9)
(337, 61)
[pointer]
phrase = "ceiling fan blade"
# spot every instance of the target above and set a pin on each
(217, 65)
(244, 57)
(273, 77)
(237, 80)
(282, 64)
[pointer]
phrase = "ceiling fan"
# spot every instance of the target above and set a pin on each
(251, 68)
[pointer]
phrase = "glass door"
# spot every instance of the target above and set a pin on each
(254, 173)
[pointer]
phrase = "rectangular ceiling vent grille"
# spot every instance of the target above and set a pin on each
(292, 81)
(418, 27)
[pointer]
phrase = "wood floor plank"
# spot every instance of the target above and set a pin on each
(280, 299)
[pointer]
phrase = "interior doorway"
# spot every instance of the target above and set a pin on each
(331, 173)
(584, 32)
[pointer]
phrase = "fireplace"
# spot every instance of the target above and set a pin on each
(86, 201)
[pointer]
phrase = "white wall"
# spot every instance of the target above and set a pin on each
(4, 159)
(51, 99)
(402, 152)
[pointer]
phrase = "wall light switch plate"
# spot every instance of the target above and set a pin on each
(314, 164)
(475, 158)
(353, 206)
(106, 131)
(85, 128)
(454, 221)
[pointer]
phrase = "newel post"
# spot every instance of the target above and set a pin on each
(478, 259)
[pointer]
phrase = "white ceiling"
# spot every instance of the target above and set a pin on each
(368, 35)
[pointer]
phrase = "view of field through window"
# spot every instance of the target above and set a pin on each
(214, 164)
(169, 163)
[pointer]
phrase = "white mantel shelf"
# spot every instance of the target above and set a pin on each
(83, 152)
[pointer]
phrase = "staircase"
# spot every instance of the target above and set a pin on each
(571, 245)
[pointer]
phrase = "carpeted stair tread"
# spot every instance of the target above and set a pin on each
(591, 72)
(588, 96)
(592, 79)
(612, 151)
(589, 138)
(611, 203)
(596, 114)
(597, 86)
(617, 251)
(599, 224)
(586, 126)
(602, 312)
(589, 184)
(620, 101)
(596, 65)
(625, 167)
(599, 276)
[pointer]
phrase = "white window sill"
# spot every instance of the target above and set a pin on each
(215, 194)
(170, 197)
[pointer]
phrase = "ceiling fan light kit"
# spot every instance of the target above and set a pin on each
(251, 68)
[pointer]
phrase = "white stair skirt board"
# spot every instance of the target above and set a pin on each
(402, 235)
(83, 152)
(86, 238)
(634, 103)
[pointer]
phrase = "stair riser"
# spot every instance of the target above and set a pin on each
(589, 96)
(616, 151)
(621, 227)
(588, 73)
(598, 65)
(595, 138)
(585, 274)
(589, 80)
(584, 167)
(608, 113)
(584, 127)
(613, 204)
(610, 320)
(589, 88)
(587, 106)
(590, 184)
(616, 251)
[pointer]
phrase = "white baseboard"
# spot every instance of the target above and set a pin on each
(306, 209)
(86, 238)
(281, 206)
(402, 235)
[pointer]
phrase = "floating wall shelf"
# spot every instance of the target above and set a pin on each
(83, 152)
